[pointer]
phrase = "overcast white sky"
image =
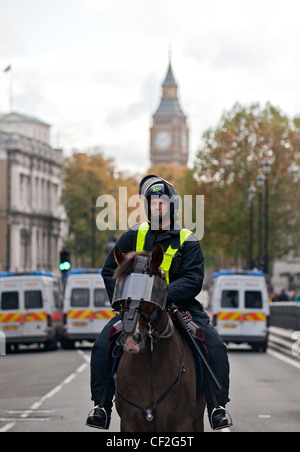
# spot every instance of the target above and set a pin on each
(93, 68)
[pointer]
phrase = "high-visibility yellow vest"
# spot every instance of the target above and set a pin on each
(169, 254)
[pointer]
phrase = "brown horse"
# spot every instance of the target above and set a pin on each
(156, 378)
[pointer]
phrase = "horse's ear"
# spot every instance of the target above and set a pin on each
(157, 257)
(119, 256)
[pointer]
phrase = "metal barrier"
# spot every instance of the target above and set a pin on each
(285, 315)
(2, 344)
(284, 330)
(282, 340)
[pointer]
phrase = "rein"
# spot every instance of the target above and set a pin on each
(149, 411)
(152, 334)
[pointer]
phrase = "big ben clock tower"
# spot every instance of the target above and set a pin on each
(169, 134)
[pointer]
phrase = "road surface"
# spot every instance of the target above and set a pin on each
(49, 392)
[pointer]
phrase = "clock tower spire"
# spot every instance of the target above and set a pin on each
(169, 134)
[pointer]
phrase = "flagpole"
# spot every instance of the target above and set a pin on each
(11, 96)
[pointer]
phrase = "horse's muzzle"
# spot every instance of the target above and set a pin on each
(132, 344)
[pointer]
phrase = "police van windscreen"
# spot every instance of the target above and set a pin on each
(9, 301)
(80, 298)
(101, 298)
(230, 299)
(33, 299)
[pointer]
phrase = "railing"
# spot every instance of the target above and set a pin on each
(285, 315)
(284, 330)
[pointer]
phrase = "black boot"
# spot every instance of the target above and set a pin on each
(99, 418)
(219, 420)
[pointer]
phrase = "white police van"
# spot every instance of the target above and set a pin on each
(240, 307)
(87, 308)
(30, 309)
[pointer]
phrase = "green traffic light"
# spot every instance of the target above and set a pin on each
(65, 266)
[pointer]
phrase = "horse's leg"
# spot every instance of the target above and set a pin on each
(198, 424)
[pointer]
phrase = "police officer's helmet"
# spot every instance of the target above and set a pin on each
(157, 186)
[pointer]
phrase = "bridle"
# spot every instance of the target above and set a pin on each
(150, 319)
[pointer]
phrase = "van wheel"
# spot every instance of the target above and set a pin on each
(260, 347)
(264, 347)
(51, 346)
(67, 344)
(8, 349)
(256, 347)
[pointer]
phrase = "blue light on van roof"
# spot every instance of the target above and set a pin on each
(29, 273)
(238, 272)
(6, 274)
(84, 271)
(255, 272)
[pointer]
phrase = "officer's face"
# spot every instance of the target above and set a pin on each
(159, 208)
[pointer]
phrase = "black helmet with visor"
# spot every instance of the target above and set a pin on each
(156, 186)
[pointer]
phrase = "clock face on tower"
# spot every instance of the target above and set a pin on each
(162, 140)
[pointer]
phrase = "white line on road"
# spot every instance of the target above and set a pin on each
(7, 427)
(29, 411)
(18, 419)
(26, 413)
(84, 356)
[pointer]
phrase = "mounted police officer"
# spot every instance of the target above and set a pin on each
(183, 266)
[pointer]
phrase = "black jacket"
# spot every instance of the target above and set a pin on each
(184, 285)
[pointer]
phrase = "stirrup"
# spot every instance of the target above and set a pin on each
(229, 418)
(106, 416)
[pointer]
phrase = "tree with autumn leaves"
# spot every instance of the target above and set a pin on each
(86, 177)
(227, 164)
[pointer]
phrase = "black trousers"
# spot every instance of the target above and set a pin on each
(101, 364)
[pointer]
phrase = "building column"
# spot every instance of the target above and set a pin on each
(15, 248)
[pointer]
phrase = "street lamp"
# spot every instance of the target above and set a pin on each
(93, 233)
(260, 180)
(251, 195)
(266, 167)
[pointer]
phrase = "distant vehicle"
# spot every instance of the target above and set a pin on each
(30, 309)
(87, 308)
(240, 307)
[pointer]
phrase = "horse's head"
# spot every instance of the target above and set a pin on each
(140, 294)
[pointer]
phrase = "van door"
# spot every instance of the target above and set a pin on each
(79, 314)
(254, 316)
(229, 315)
(11, 321)
(35, 313)
(102, 311)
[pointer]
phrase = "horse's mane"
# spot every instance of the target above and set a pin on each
(126, 267)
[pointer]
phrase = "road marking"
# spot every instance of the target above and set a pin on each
(7, 427)
(33, 409)
(84, 356)
(29, 419)
(283, 358)
(28, 411)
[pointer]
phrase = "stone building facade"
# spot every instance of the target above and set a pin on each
(32, 221)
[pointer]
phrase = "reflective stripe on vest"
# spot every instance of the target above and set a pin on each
(169, 254)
